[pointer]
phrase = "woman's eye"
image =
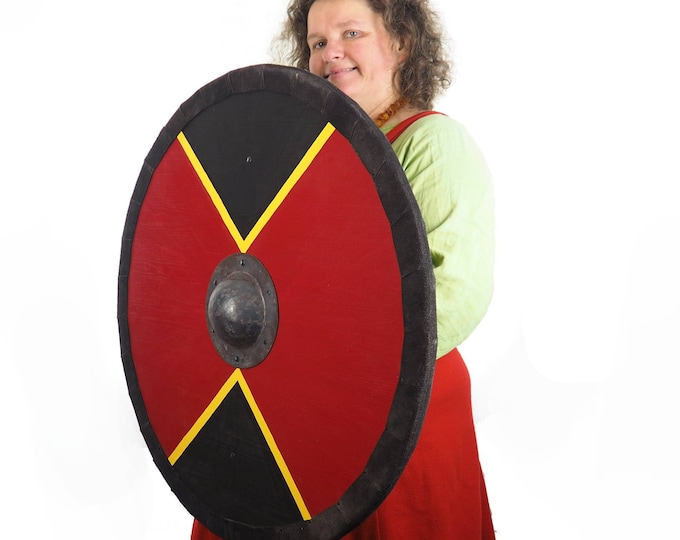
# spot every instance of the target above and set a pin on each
(352, 33)
(318, 44)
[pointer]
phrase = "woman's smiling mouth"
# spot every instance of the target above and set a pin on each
(339, 72)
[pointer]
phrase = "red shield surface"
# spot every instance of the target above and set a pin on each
(276, 308)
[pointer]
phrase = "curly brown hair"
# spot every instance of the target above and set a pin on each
(424, 75)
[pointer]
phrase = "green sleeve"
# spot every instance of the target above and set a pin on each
(453, 188)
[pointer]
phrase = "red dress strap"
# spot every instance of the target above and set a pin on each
(400, 127)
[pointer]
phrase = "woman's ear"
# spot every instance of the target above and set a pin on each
(403, 50)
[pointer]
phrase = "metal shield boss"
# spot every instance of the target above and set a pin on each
(276, 307)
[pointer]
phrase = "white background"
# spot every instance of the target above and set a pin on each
(575, 105)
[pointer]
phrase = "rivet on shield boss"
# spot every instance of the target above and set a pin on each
(276, 308)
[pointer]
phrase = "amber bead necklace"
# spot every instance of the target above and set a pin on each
(390, 112)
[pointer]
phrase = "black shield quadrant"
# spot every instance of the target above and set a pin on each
(276, 307)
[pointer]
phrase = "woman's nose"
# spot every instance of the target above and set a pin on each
(332, 51)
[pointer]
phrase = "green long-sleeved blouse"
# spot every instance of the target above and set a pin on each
(452, 185)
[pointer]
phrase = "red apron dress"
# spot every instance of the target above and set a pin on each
(441, 493)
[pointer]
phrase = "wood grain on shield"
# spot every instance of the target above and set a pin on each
(179, 239)
(328, 247)
(272, 168)
(330, 253)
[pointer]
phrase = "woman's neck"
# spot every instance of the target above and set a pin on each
(402, 114)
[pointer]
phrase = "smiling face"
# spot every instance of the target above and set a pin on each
(350, 47)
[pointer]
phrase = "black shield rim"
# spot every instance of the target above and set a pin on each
(407, 413)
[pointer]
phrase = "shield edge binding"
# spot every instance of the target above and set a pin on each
(407, 412)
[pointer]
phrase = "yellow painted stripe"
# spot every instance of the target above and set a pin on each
(237, 377)
(245, 243)
(297, 173)
(205, 416)
(212, 192)
(294, 491)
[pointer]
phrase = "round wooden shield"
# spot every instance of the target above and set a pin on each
(276, 307)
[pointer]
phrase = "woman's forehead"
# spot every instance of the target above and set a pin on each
(341, 13)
